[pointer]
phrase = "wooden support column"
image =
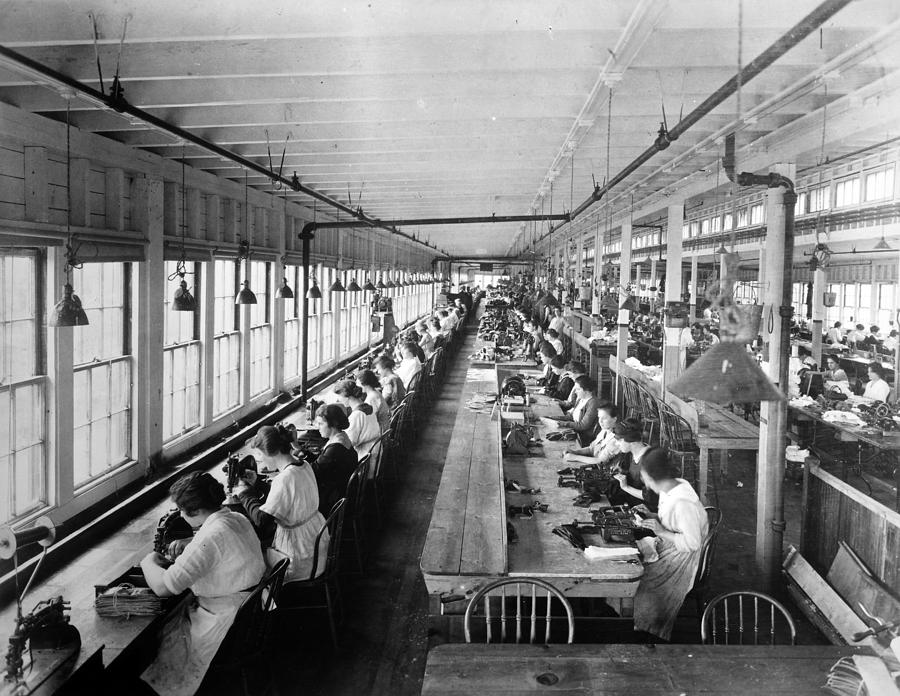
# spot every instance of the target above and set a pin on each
(213, 223)
(37, 190)
(653, 284)
(624, 315)
(305, 240)
(671, 351)
(695, 272)
(148, 196)
(818, 314)
(278, 231)
(773, 414)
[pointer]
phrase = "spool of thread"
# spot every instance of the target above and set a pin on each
(43, 532)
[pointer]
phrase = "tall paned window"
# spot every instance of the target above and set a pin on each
(227, 340)
(181, 359)
(260, 329)
(292, 323)
(102, 370)
(315, 312)
(23, 431)
(346, 299)
(326, 320)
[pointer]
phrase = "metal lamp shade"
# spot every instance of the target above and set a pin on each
(353, 286)
(314, 293)
(390, 284)
(381, 285)
(629, 304)
(726, 374)
(245, 296)
(284, 292)
(882, 245)
(184, 301)
(337, 286)
(369, 287)
(68, 311)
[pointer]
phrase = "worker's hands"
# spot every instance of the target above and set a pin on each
(155, 559)
(246, 481)
(651, 524)
(176, 548)
(620, 478)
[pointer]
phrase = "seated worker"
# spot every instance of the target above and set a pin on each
(806, 359)
(631, 490)
(426, 340)
(583, 416)
(368, 382)
(392, 387)
(835, 334)
(364, 429)
(448, 323)
(220, 565)
(707, 338)
(605, 445)
(410, 365)
(292, 505)
(557, 323)
(558, 388)
(681, 525)
(688, 339)
(575, 369)
(876, 387)
(834, 373)
(434, 330)
(554, 340)
(857, 335)
(546, 354)
(337, 461)
(871, 341)
(890, 343)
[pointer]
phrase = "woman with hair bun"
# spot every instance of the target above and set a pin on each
(290, 514)
(392, 387)
(364, 429)
(368, 382)
(221, 564)
(337, 462)
(680, 527)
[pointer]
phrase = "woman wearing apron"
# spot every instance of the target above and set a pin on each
(220, 565)
(680, 527)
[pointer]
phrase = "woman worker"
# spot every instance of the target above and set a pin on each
(605, 446)
(835, 372)
(584, 413)
(631, 489)
(292, 505)
(680, 527)
(221, 564)
(337, 461)
(368, 382)
(391, 385)
(364, 429)
(876, 387)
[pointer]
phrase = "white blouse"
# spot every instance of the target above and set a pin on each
(363, 430)
(681, 511)
(877, 389)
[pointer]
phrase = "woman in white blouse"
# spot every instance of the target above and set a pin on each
(605, 446)
(876, 387)
(291, 506)
(680, 526)
(368, 382)
(364, 429)
(221, 564)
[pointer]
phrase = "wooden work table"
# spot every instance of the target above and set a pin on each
(466, 544)
(630, 670)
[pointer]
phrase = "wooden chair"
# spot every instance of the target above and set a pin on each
(650, 418)
(245, 646)
(354, 510)
(322, 592)
(632, 398)
(378, 456)
(707, 552)
(678, 437)
(524, 602)
(733, 618)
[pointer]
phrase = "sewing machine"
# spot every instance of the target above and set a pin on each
(171, 527)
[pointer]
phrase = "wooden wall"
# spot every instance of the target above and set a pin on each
(835, 511)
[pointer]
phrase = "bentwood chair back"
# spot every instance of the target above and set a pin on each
(378, 456)
(747, 618)
(322, 592)
(649, 412)
(678, 437)
(632, 398)
(707, 552)
(514, 609)
(245, 645)
(355, 495)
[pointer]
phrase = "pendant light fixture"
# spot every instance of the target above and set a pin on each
(313, 293)
(69, 311)
(337, 285)
(353, 286)
(284, 291)
(882, 244)
(369, 286)
(246, 295)
(381, 284)
(183, 301)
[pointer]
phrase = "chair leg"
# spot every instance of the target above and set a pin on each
(331, 623)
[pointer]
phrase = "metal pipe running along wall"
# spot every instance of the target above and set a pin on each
(782, 45)
(119, 104)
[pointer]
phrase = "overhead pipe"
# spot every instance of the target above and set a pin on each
(118, 103)
(782, 45)
(311, 227)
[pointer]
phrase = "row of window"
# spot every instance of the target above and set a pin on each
(103, 363)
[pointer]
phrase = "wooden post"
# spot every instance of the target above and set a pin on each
(773, 414)
(671, 354)
(695, 270)
(305, 239)
(624, 275)
(818, 314)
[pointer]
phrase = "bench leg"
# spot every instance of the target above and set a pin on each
(704, 473)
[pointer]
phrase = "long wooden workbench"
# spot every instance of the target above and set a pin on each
(466, 544)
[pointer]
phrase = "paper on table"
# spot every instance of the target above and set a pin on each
(605, 553)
